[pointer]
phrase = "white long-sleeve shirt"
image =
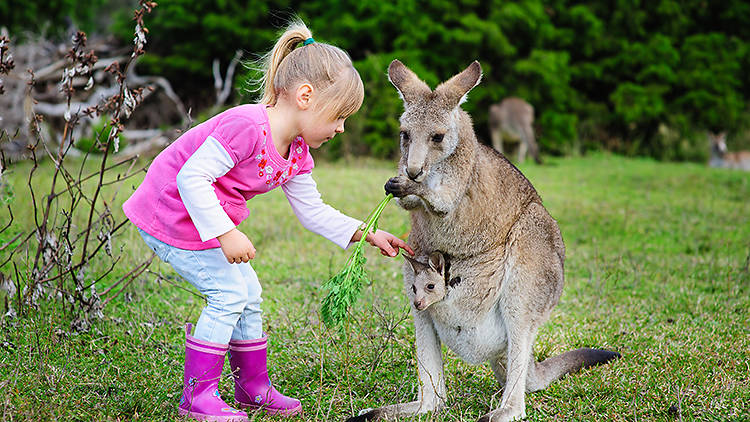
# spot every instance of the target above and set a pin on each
(211, 161)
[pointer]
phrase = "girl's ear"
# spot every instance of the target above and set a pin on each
(303, 96)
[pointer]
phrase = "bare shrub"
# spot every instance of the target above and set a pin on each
(69, 249)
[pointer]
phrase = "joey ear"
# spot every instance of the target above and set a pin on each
(412, 263)
(454, 90)
(408, 84)
(437, 262)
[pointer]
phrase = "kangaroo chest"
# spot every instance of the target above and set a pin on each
(476, 339)
(430, 233)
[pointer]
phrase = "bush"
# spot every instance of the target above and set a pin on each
(96, 139)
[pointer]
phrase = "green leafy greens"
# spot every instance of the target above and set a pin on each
(343, 289)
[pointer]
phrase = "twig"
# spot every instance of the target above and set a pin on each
(10, 211)
(132, 274)
(11, 241)
(160, 277)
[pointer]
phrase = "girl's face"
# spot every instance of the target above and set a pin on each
(318, 129)
(315, 127)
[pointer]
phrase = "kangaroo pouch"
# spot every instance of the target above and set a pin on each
(475, 342)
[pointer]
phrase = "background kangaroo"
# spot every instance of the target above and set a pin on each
(512, 121)
(720, 157)
(468, 201)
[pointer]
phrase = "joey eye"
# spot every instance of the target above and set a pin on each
(430, 286)
(413, 289)
(404, 135)
(437, 138)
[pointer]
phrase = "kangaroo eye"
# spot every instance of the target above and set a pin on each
(437, 138)
(413, 289)
(430, 286)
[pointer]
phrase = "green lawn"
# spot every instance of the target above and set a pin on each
(657, 270)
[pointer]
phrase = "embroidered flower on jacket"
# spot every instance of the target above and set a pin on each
(258, 398)
(299, 150)
(269, 169)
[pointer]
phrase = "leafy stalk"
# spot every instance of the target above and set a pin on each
(343, 289)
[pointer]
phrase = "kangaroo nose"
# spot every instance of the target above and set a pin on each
(414, 173)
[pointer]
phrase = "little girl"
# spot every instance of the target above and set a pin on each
(194, 194)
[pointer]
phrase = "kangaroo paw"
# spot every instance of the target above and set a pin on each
(399, 186)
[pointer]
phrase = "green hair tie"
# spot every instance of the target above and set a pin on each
(308, 41)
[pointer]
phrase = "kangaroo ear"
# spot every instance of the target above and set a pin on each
(413, 263)
(408, 84)
(455, 89)
(437, 262)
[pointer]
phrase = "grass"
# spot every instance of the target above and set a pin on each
(657, 269)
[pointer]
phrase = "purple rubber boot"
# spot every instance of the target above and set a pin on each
(200, 398)
(252, 387)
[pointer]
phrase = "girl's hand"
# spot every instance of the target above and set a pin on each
(236, 246)
(387, 243)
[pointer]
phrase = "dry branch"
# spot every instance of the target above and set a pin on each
(40, 97)
(224, 87)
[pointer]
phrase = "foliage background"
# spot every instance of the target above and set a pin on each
(635, 77)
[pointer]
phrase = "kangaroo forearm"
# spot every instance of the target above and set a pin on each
(409, 202)
(439, 200)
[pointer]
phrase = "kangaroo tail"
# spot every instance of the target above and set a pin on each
(542, 374)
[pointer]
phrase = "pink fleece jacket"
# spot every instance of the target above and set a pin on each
(156, 206)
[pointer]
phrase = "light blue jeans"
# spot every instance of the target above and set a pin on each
(232, 291)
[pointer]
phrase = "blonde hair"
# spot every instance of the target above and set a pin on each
(338, 89)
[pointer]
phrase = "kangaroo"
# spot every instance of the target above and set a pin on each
(720, 157)
(470, 202)
(511, 121)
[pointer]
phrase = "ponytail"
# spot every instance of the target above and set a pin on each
(295, 33)
(338, 87)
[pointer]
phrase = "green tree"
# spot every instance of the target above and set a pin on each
(607, 74)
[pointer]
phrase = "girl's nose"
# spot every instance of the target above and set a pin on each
(340, 128)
